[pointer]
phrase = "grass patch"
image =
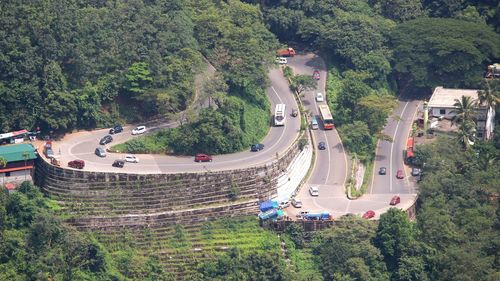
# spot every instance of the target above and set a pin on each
(53, 205)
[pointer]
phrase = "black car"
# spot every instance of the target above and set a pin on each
(382, 171)
(257, 147)
(321, 145)
(119, 163)
(106, 139)
(116, 129)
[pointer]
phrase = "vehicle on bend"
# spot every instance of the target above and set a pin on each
(316, 74)
(369, 214)
(288, 52)
(321, 145)
(200, 157)
(326, 116)
(118, 163)
(139, 130)
(314, 123)
(399, 174)
(395, 200)
(116, 129)
(279, 115)
(99, 151)
(382, 171)
(106, 139)
(295, 112)
(257, 147)
(76, 164)
(296, 203)
(131, 158)
(284, 204)
(281, 60)
(319, 97)
(314, 191)
(323, 216)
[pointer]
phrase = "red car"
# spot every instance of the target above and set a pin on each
(76, 164)
(316, 75)
(202, 158)
(395, 200)
(399, 174)
(369, 214)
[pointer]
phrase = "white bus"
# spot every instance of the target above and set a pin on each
(279, 115)
(326, 117)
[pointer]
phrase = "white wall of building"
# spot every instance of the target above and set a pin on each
(15, 177)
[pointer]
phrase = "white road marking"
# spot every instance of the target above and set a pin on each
(392, 147)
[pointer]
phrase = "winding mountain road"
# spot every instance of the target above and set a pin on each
(331, 166)
(81, 145)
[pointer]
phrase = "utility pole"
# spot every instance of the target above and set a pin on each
(426, 117)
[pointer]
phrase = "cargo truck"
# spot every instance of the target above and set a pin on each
(288, 52)
(274, 214)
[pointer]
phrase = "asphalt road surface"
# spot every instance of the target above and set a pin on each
(81, 145)
(331, 168)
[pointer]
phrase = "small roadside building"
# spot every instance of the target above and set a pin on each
(441, 105)
(16, 164)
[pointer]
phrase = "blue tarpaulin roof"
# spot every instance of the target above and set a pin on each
(268, 205)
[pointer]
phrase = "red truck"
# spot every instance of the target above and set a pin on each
(289, 52)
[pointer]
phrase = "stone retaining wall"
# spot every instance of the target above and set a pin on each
(94, 197)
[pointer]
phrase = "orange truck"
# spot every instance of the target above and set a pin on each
(289, 52)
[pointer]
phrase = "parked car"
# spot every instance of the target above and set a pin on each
(76, 164)
(118, 163)
(314, 191)
(139, 130)
(321, 145)
(100, 152)
(281, 60)
(257, 147)
(301, 214)
(395, 200)
(116, 129)
(131, 158)
(316, 75)
(368, 215)
(399, 174)
(415, 172)
(202, 158)
(296, 203)
(106, 139)
(382, 171)
(284, 204)
(319, 97)
(295, 112)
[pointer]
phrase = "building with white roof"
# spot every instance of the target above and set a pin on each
(441, 104)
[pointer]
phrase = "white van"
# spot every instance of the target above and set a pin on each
(314, 123)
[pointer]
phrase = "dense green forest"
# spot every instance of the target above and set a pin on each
(69, 64)
(379, 48)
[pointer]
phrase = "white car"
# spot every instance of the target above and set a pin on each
(139, 130)
(131, 158)
(281, 60)
(319, 97)
(314, 191)
(284, 204)
(296, 203)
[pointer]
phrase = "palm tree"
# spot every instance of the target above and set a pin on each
(3, 164)
(490, 94)
(465, 110)
(466, 134)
